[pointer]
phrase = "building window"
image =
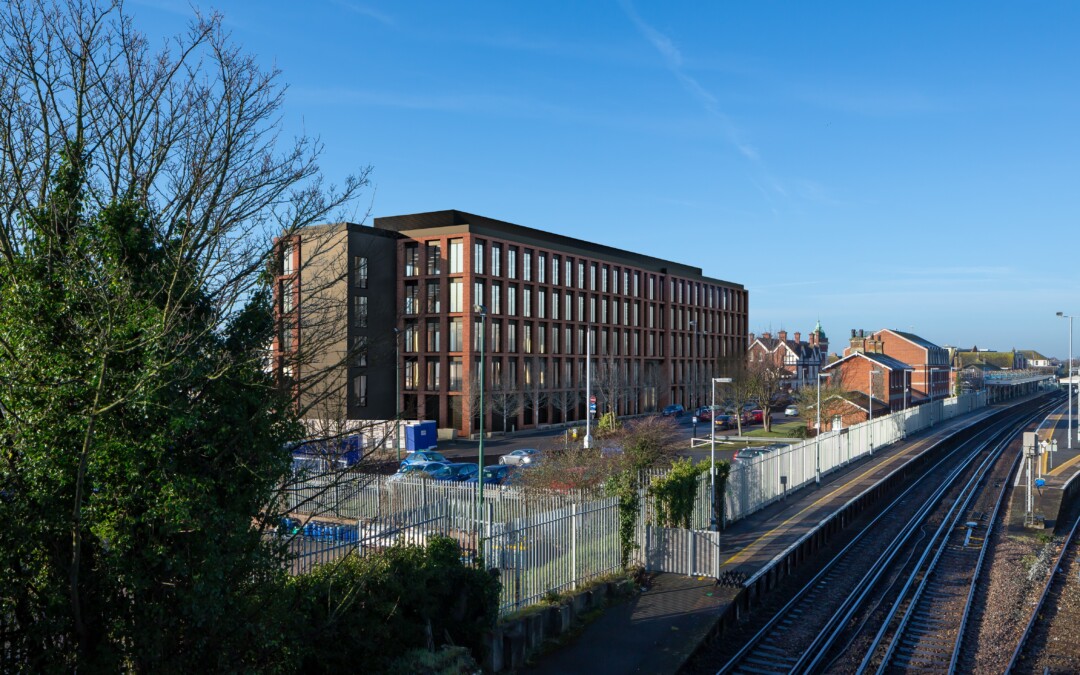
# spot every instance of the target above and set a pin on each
(455, 373)
(412, 338)
(478, 330)
(456, 297)
(360, 271)
(359, 352)
(434, 255)
(360, 311)
(288, 296)
(555, 305)
(569, 280)
(478, 257)
(511, 300)
(456, 344)
(412, 298)
(511, 336)
(581, 274)
(286, 337)
(592, 277)
(360, 390)
(434, 306)
(496, 299)
(555, 262)
(511, 262)
(412, 265)
(457, 256)
(410, 372)
(496, 335)
(432, 380)
(287, 253)
(433, 334)
(526, 337)
(526, 301)
(526, 265)
(603, 278)
(496, 260)
(541, 267)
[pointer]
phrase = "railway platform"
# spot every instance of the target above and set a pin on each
(1058, 468)
(659, 629)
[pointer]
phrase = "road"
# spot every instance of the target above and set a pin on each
(465, 450)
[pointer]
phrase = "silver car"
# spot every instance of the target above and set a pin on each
(521, 457)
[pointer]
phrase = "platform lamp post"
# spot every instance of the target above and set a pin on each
(817, 433)
(480, 455)
(693, 365)
(870, 407)
(712, 449)
(1069, 370)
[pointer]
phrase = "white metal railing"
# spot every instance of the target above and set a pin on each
(762, 480)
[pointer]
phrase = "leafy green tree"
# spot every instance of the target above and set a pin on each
(141, 439)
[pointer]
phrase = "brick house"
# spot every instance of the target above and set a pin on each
(801, 361)
(930, 369)
(878, 377)
(849, 409)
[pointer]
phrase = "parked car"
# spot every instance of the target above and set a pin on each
(417, 470)
(791, 411)
(424, 456)
(493, 475)
(456, 472)
(521, 457)
(725, 422)
(753, 417)
(673, 411)
(749, 452)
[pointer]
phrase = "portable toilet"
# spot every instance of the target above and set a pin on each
(420, 436)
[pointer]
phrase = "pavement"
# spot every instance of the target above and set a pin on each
(657, 630)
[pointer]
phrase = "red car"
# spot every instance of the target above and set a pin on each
(753, 417)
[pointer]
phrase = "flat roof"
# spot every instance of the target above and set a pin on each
(460, 221)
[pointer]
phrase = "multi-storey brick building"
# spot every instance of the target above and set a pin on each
(659, 329)
(929, 379)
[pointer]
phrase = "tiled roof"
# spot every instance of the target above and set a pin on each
(912, 337)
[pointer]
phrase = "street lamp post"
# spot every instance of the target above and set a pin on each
(817, 433)
(588, 387)
(1069, 371)
(712, 449)
(397, 393)
(870, 407)
(480, 456)
(693, 365)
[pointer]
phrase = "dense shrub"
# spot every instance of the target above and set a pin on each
(362, 614)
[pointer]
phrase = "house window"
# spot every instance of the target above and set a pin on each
(360, 311)
(412, 337)
(412, 255)
(360, 352)
(457, 256)
(541, 267)
(496, 260)
(410, 372)
(511, 262)
(526, 264)
(360, 390)
(360, 271)
(432, 382)
(434, 253)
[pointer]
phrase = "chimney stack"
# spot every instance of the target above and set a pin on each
(782, 335)
(798, 337)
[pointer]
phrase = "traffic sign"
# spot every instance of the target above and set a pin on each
(592, 400)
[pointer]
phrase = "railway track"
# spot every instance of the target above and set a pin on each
(1037, 651)
(829, 616)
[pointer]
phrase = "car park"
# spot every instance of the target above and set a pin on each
(424, 456)
(417, 470)
(725, 422)
(753, 417)
(455, 472)
(493, 475)
(521, 457)
(791, 411)
(675, 410)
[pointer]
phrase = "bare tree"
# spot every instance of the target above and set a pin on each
(564, 400)
(832, 402)
(506, 400)
(611, 382)
(765, 380)
(534, 392)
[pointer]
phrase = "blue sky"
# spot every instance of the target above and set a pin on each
(910, 166)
